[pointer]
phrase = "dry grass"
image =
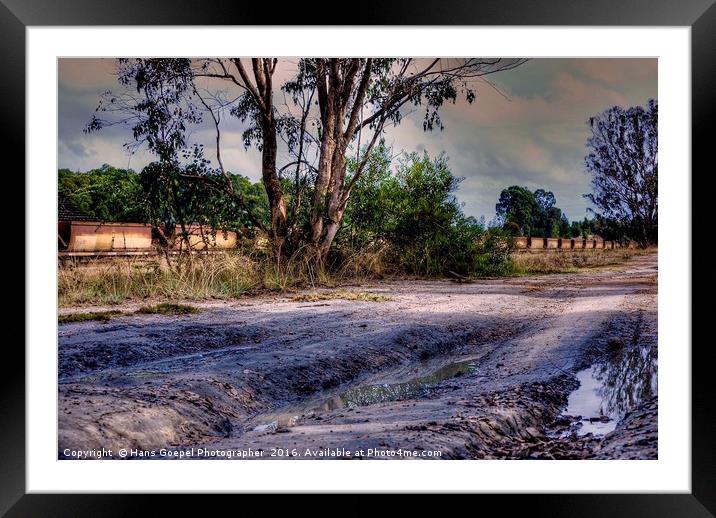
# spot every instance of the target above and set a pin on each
(526, 263)
(103, 316)
(217, 276)
(167, 308)
(340, 294)
(114, 281)
(377, 262)
(235, 274)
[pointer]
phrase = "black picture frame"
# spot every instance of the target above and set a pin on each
(700, 15)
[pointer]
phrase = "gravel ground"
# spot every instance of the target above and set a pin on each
(469, 370)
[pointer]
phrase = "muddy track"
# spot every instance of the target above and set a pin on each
(275, 373)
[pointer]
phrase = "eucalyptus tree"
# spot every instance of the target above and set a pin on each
(358, 99)
(158, 98)
(332, 109)
(623, 161)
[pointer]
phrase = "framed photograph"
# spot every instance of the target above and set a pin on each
(412, 252)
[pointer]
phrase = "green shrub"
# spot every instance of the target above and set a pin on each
(413, 213)
(167, 308)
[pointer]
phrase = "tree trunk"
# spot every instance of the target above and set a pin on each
(334, 206)
(341, 91)
(277, 202)
(328, 206)
(328, 236)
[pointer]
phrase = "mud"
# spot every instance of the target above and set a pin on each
(469, 370)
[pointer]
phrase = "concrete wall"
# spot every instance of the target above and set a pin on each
(91, 236)
(521, 242)
(554, 243)
(537, 243)
(83, 236)
(105, 237)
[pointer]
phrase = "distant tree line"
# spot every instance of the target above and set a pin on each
(522, 212)
(107, 193)
(160, 196)
(404, 208)
(527, 213)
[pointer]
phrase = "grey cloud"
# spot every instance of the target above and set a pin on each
(79, 149)
(528, 130)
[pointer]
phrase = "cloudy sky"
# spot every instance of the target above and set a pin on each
(528, 128)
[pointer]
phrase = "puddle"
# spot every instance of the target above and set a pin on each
(362, 395)
(411, 389)
(613, 387)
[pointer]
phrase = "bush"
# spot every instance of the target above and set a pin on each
(405, 220)
(413, 213)
(494, 255)
(107, 193)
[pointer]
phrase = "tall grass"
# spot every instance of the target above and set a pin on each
(527, 263)
(112, 281)
(222, 276)
(234, 274)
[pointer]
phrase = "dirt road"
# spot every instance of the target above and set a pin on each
(454, 370)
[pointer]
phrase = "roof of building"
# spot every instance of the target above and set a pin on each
(68, 212)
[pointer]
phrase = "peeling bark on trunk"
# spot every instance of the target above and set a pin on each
(342, 86)
(334, 95)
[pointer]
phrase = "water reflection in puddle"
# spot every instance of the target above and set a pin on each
(613, 387)
(369, 394)
(411, 389)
